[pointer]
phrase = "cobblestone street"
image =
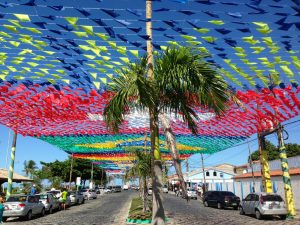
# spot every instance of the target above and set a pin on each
(193, 213)
(105, 210)
(112, 209)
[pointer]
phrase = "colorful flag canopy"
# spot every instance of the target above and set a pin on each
(56, 58)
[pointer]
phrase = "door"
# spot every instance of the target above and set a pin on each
(252, 203)
(213, 198)
(246, 202)
(32, 204)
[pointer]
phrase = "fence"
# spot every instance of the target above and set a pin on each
(243, 188)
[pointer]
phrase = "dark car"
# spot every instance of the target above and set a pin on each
(221, 199)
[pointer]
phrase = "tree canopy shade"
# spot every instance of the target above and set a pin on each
(292, 149)
(61, 169)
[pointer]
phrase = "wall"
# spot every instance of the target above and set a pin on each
(242, 187)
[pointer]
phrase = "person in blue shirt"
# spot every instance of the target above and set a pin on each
(33, 190)
(1, 209)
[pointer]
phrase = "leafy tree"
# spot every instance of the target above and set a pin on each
(182, 80)
(59, 171)
(273, 151)
(141, 169)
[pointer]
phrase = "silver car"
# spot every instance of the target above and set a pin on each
(76, 197)
(191, 193)
(89, 194)
(264, 204)
(50, 202)
(23, 206)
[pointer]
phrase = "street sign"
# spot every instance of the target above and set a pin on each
(78, 181)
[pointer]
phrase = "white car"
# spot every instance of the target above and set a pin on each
(89, 194)
(165, 189)
(125, 187)
(191, 193)
(76, 197)
(107, 190)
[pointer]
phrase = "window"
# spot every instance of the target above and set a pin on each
(221, 175)
(215, 173)
(207, 173)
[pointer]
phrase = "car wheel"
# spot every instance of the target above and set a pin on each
(77, 202)
(51, 210)
(29, 215)
(4, 219)
(59, 207)
(283, 217)
(258, 214)
(83, 201)
(206, 204)
(219, 205)
(43, 212)
(242, 211)
(195, 198)
(235, 207)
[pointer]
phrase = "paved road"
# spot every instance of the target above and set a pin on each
(111, 209)
(194, 213)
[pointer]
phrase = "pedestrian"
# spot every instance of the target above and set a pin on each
(33, 190)
(64, 198)
(1, 209)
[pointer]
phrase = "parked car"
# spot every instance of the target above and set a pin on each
(89, 193)
(76, 197)
(116, 188)
(107, 190)
(98, 191)
(221, 199)
(50, 202)
(264, 204)
(192, 193)
(125, 187)
(24, 206)
(150, 191)
(56, 193)
(165, 189)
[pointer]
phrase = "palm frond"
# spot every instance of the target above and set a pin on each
(132, 90)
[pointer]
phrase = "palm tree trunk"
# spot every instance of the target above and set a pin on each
(145, 199)
(171, 142)
(158, 213)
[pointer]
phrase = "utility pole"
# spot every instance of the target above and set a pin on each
(288, 190)
(203, 172)
(251, 165)
(71, 171)
(187, 172)
(92, 172)
(12, 164)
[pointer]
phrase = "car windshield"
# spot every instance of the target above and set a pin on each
(272, 198)
(54, 192)
(43, 196)
(17, 199)
(227, 193)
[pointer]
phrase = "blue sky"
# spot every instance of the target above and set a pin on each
(37, 150)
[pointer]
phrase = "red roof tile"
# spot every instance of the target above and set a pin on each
(294, 171)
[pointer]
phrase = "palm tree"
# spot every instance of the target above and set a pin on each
(182, 81)
(29, 167)
(142, 170)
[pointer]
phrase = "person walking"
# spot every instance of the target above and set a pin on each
(64, 198)
(1, 209)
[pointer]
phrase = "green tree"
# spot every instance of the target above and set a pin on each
(292, 149)
(182, 81)
(29, 167)
(142, 170)
(60, 171)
